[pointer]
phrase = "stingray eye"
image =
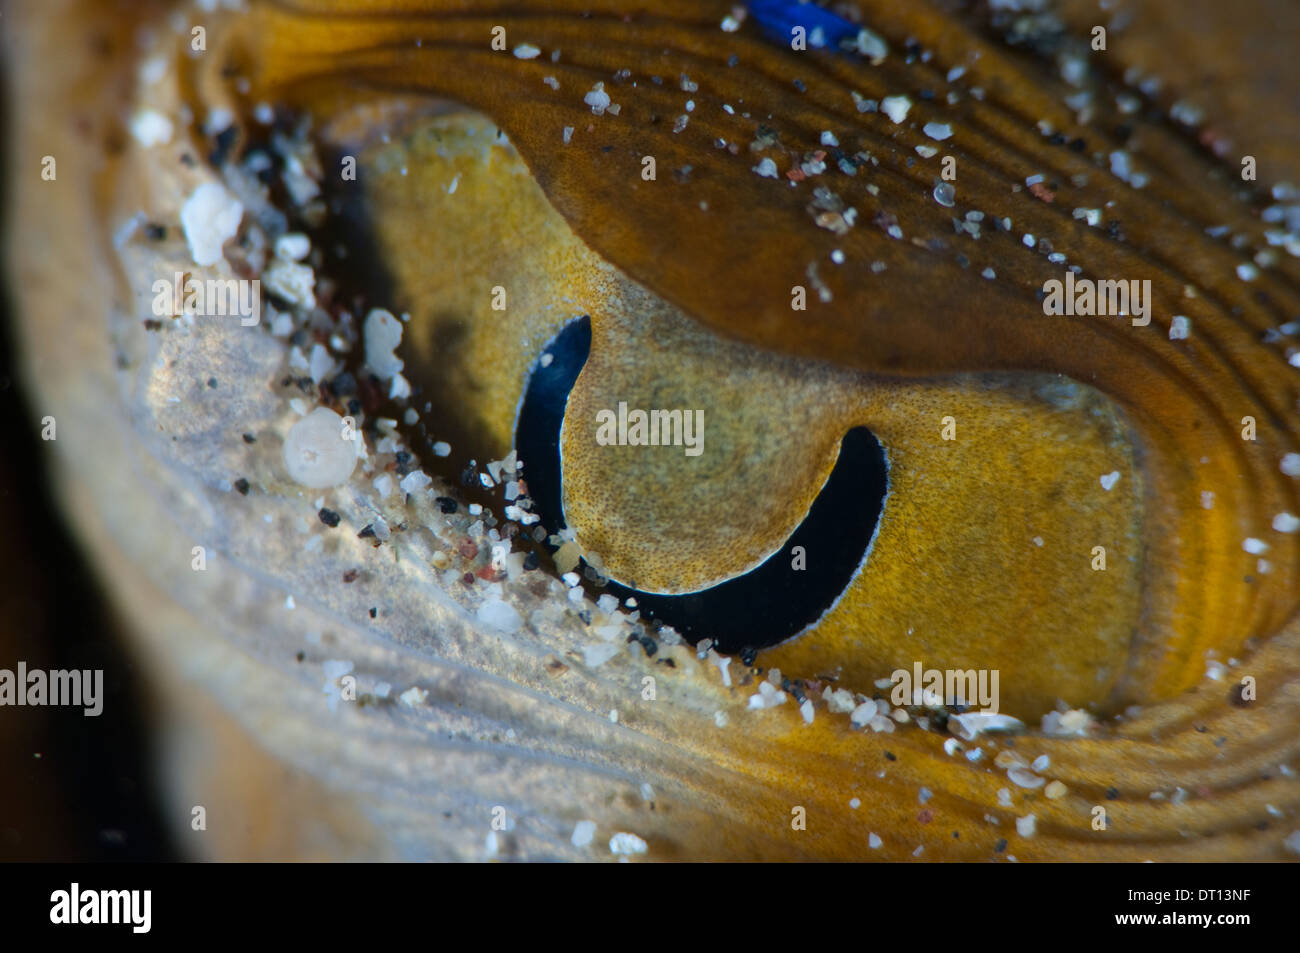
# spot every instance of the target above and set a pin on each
(794, 511)
(1040, 514)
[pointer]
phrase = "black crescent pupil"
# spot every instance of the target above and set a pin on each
(771, 602)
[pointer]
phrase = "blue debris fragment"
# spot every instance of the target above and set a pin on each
(778, 18)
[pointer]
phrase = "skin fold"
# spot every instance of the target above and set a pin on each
(691, 274)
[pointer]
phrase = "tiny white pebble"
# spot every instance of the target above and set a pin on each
(584, 832)
(597, 99)
(1025, 825)
(151, 128)
(218, 121)
(1109, 480)
(937, 130)
(383, 333)
(895, 107)
(293, 246)
(872, 45)
(526, 51)
(1286, 523)
(151, 71)
(317, 451)
(625, 843)
(414, 482)
(1024, 778)
(1255, 547)
(209, 218)
(413, 696)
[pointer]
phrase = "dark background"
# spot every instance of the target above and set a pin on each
(72, 788)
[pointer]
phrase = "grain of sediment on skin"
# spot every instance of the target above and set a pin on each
(318, 451)
(627, 844)
(597, 99)
(896, 107)
(1024, 778)
(584, 832)
(209, 218)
